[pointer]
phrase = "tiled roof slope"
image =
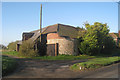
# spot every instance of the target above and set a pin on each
(62, 30)
(48, 29)
(66, 30)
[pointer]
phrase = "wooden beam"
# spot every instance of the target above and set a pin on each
(56, 49)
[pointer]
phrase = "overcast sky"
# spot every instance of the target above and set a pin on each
(22, 17)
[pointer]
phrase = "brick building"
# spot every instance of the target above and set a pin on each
(115, 36)
(60, 39)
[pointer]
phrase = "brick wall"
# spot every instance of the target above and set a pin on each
(53, 36)
(65, 46)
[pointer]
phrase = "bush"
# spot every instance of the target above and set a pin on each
(119, 44)
(28, 49)
(109, 45)
(96, 39)
(3, 47)
(88, 48)
(12, 45)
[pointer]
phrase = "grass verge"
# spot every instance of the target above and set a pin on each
(12, 53)
(8, 65)
(95, 63)
(59, 57)
(64, 57)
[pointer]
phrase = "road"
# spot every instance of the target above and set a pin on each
(28, 68)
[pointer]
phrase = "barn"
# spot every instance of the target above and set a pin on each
(59, 38)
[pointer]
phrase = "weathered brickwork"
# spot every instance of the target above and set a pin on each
(53, 36)
(65, 46)
(61, 36)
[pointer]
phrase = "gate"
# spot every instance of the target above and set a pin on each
(52, 49)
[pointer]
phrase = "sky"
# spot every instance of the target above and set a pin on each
(19, 17)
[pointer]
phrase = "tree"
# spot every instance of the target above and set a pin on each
(12, 45)
(2, 46)
(95, 38)
(81, 32)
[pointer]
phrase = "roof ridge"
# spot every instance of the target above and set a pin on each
(66, 25)
(46, 28)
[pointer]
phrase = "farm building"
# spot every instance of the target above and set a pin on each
(115, 36)
(60, 39)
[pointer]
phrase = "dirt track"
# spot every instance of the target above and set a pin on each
(31, 68)
(43, 68)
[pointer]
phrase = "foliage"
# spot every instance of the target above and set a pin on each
(95, 63)
(81, 32)
(28, 49)
(119, 43)
(96, 39)
(12, 45)
(8, 65)
(41, 46)
(109, 43)
(2, 46)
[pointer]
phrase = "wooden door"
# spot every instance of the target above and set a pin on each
(52, 49)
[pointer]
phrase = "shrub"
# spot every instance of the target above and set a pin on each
(28, 49)
(41, 46)
(109, 45)
(119, 44)
(88, 48)
(96, 39)
(12, 45)
(2, 46)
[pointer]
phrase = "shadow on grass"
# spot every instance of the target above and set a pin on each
(8, 65)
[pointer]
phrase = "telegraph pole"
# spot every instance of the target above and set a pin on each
(40, 22)
(119, 18)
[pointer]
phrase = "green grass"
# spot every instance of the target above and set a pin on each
(8, 65)
(59, 57)
(95, 63)
(64, 57)
(12, 53)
